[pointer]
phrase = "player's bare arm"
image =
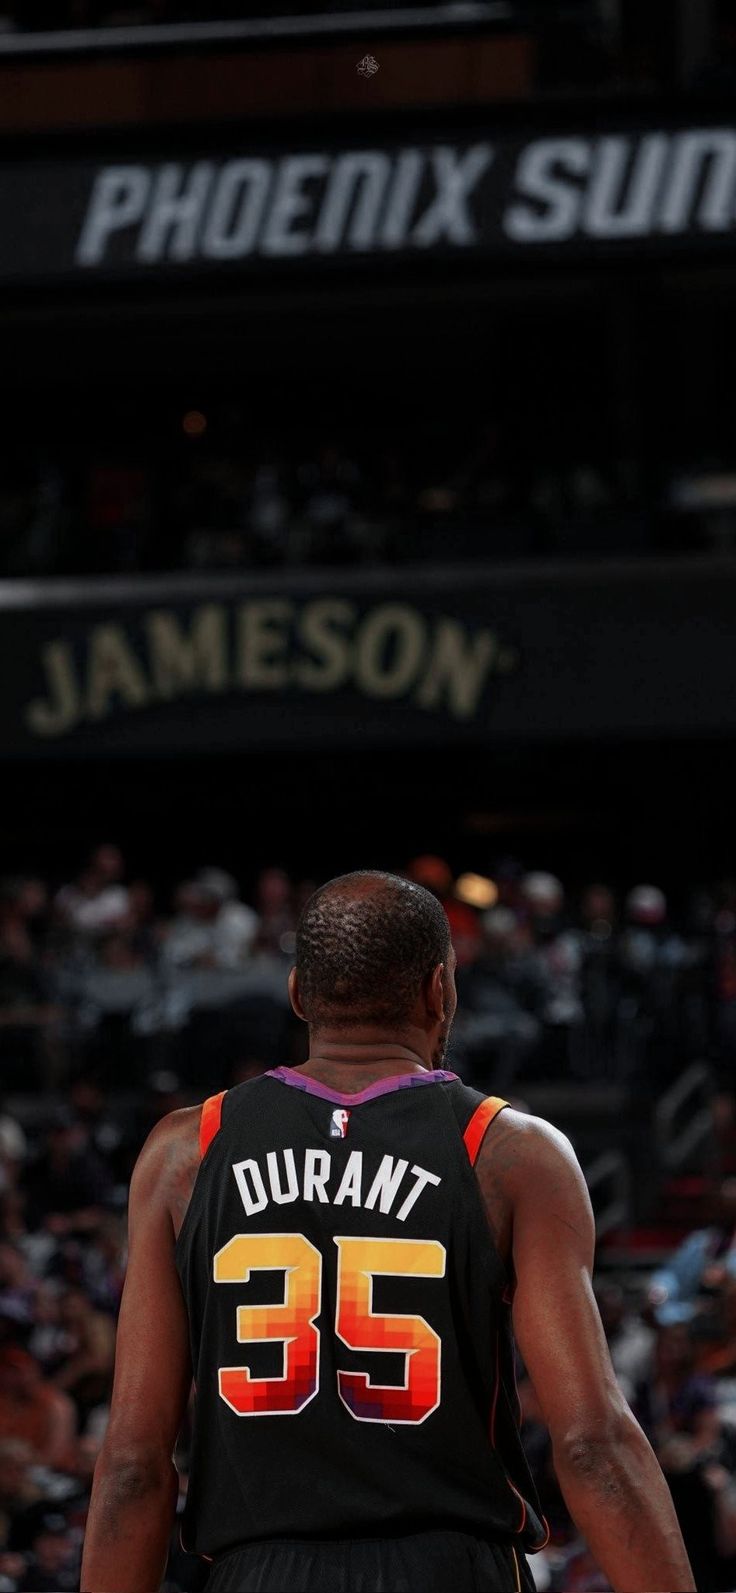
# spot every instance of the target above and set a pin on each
(540, 1216)
(135, 1487)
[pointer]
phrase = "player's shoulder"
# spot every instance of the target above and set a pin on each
(525, 1163)
(172, 1145)
(518, 1144)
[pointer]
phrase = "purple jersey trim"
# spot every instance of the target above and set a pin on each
(398, 1081)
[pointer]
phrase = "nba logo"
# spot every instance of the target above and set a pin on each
(339, 1124)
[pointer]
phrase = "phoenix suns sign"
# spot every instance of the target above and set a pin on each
(263, 648)
(488, 195)
(245, 207)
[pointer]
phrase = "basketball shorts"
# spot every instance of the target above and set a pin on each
(426, 1562)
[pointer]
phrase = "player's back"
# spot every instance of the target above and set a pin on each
(349, 1321)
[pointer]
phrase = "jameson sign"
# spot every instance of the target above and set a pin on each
(427, 657)
(492, 194)
(267, 645)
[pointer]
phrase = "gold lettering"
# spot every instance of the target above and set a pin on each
(114, 670)
(458, 669)
(264, 636)
(181, 662)
(389, 649)
(321, 628)
(61, 711)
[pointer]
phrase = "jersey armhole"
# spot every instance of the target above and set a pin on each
(481, 1120)
(209, 1122)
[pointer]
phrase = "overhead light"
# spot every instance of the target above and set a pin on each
(194, 423)
(476, 891)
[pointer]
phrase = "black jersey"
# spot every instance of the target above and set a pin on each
(349, 1319)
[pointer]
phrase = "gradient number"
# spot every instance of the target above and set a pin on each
(291, 1322)
(362, 1328)
(358, 1326)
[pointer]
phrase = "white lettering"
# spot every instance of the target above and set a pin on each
(317, 1165)
(448, 216)
(386, 1183)
(283, 1197)
(357, 179)
(289, 203)
(350, 1183)
(236, 211)
(402, 198)
(422, 1179)
(175, 207)
(118, 200)
(538, 180)
(256, 1198)
(707, 156)
(610, 210)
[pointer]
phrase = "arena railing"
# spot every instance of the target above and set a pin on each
(683, 1121)
(609, 1180)
(152, 37)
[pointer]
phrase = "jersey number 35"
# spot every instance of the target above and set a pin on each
(357, 1325)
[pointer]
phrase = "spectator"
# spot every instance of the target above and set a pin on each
(702, 1264)
(630, 1341)
(20, 1494)
(598, 914)
(70, 1183)
(53, 1565)
(13, 1148)
(32, 1409)
(329, 488)
(276, 914)
(501, 995)
(677, 1400)
(436, 876)
(49, 1341)
(679, 1411)
(648, 943)
(557, 947)
(18, 1291)
(718, 1355)
(86, 1372)
(27, 1012)
(212, 928)
(269, 514)
(23, 905)
(97, 901)
(235, 926)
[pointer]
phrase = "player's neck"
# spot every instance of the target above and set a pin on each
(365, 1058)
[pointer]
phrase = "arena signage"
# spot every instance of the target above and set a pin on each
(494, 194)
(268, 645)
(420, 656)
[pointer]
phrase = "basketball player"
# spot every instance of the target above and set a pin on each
(334, 1252)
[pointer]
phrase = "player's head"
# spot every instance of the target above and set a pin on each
(373, 953)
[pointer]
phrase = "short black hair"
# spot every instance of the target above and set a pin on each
(365, 944)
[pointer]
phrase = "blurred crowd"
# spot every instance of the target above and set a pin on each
(213, 498)
(117, 1006)
(102, 977)
(51, 14)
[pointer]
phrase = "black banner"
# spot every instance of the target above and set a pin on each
(424, 657)
(496, 195)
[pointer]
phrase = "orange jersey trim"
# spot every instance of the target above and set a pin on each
(209, 1121)
(482, 1118)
